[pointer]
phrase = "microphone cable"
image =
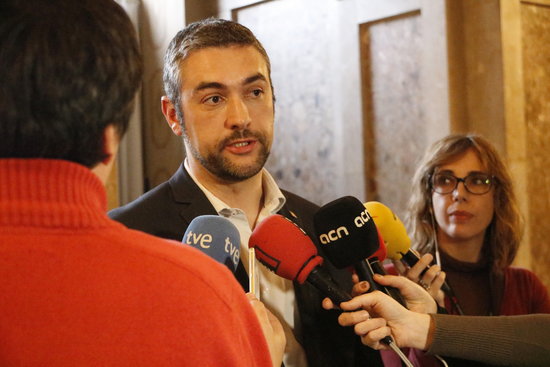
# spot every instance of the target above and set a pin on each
(450, 293)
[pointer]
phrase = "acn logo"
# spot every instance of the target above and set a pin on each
(333, 235)
(361, 219)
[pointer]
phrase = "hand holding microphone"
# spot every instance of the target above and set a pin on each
(349, 237)
(286, 249)
(218, 238)
(398, 246)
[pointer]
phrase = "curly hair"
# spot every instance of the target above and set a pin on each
(504, 233)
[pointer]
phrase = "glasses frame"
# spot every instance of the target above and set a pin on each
(492, 183)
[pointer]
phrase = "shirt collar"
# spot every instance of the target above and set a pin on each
(274, 199)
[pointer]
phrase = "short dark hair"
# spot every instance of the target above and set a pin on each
(211, 32)
(68, 69)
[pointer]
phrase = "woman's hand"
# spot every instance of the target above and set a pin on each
(432, 279)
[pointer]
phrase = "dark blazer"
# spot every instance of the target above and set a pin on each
(167, 210)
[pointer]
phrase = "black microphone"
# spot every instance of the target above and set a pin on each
(349, 238)
(217, 237)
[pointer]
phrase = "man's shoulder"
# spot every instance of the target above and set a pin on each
(150, 204)
(298, 203)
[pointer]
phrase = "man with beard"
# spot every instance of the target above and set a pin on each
(219, 98)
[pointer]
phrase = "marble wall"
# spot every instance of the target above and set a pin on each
(395, 133)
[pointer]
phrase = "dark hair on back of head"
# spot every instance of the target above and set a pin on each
(68, 70)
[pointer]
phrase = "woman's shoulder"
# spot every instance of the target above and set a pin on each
(518, 273)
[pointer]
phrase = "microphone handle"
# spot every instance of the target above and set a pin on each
(365, 272)
(410, 258)
(321, 280)
(391, 291)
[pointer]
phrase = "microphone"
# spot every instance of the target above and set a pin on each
(217, 237)
(349, 237)
(286, 249)
(398, 242)
(375, 262)
(381, 253)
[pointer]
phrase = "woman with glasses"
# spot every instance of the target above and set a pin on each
(464, 212)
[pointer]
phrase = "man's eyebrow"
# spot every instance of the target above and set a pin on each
(208, 85)
(218, 85)
(253, 78)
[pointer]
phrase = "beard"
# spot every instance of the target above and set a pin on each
(222, 167)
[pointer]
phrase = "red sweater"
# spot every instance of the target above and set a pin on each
(79, 289)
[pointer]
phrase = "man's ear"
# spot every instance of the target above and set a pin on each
(169, 112)
(111, 142)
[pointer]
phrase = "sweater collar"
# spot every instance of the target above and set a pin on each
(50, 193)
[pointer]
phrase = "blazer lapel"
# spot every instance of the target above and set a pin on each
(193, 203)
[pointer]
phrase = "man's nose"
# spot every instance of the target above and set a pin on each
(238, 116)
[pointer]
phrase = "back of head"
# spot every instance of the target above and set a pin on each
(205, 33)
(68, 70)
(504, 233)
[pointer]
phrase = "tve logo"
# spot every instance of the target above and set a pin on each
(333, 235)
(199, 239)
(232, 250)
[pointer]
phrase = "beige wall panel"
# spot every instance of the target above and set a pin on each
(536, 62)
(475, 69)
(161, 20)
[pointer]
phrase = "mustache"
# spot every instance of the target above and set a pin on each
(242, 134)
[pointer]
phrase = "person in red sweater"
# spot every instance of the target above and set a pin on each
(77, 288)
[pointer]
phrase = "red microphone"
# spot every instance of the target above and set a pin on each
(382, 251)
(287, 250)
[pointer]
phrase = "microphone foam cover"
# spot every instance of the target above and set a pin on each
(346, 231)
(217, 237)
(380, 254)
(284, 248)
(392, 229)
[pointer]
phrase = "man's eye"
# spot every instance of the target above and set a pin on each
(213, 100)
(257, 92)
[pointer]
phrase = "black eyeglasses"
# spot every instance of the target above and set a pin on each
(475, 183)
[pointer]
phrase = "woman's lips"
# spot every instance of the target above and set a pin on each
(460, 215)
